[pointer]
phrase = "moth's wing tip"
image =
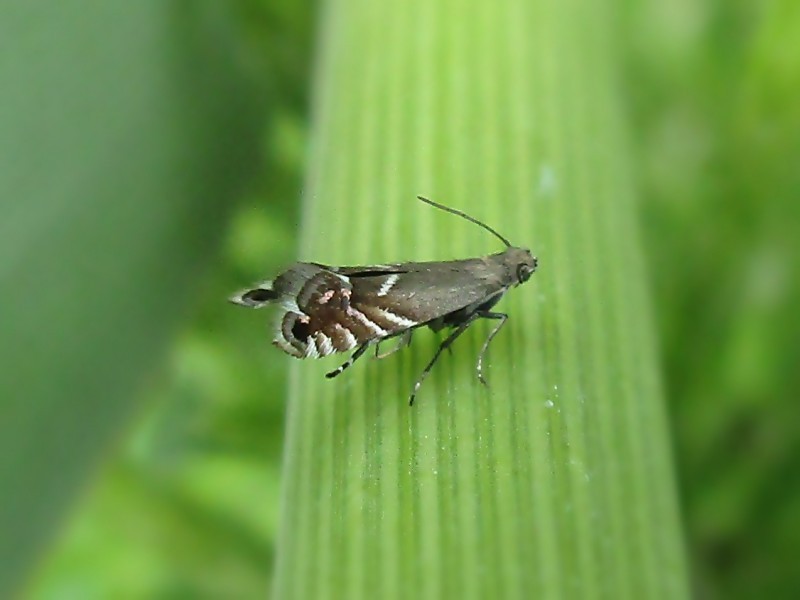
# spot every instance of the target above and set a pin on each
(253, 298)
(238, 298)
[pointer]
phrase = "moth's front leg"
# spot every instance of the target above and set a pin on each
(502, 317)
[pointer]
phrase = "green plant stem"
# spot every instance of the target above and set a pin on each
(556, 481)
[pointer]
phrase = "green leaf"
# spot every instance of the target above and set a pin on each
(128, 129)
(556, 481)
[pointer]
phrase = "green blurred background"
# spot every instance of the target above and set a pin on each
(152, 161)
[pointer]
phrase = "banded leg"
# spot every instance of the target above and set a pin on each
(445, 344)
(359, 351)
(502, 317)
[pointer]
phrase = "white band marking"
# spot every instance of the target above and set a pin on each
(325, 344)
(388, 284)
(349, 338)
(311, 348)
(397, 319)
(362, 318)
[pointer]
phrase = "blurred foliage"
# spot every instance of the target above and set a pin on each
(714, 86)
(713, 94)
(129, 131)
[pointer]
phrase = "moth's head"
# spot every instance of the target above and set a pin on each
(522, 263)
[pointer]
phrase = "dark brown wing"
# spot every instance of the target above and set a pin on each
(424, 292)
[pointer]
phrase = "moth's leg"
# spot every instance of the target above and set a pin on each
(450, 350)
(445, 344)
(404, 340)
(502, 317)
(359, 351)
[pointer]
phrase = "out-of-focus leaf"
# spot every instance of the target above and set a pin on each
(127, 129)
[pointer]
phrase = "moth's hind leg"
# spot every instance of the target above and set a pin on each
(404, 339)
(359, 351)
(502, 317)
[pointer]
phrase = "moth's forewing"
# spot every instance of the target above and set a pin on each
(424, 292)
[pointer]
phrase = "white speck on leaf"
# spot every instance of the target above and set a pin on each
(547, 184)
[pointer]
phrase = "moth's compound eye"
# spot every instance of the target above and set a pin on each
(523, 273)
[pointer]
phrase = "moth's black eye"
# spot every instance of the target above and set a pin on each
(523, 273)
(300, 330)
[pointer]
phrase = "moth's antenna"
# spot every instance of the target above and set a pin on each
(467, 217)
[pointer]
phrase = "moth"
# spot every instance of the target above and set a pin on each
(327, 309)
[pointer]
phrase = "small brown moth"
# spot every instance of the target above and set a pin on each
(328, 309)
